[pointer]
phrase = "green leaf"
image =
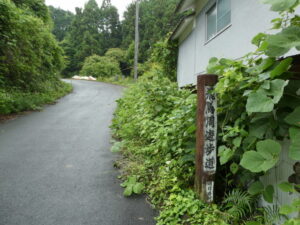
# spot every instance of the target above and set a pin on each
(225, 154)
(259, 128)
(117, 147)
(158, 108)
(252, 161)
(191, 129)
(234, 168)
(279, 44)
(294, 149)
(256, 188)
(276, 89)
(266, 85)
(280, 5)
(138, 188)
(128, 190)
(237, 142)
(287, 209)
(268, 194)
(265, 158)
(286, 187)
(259, 102)
(131, 180)
(294, 117)
(258, 39)
(282, 67)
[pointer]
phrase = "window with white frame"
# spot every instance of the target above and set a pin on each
(218, 17)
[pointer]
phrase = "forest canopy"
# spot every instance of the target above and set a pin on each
(94, 29)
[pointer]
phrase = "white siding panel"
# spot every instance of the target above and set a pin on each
(248, 18)
(186, 61)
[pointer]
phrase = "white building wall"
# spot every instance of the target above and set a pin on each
(248, 18)
(279, 174)
(186, 60)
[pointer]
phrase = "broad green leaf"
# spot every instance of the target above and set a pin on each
(128, 190)
(259, 128)
(292, 222)
(237, 142)
(258, 39)
(279, 44)
(294, 117)
(132, 180)
(282, 67)
(265, 64)
(259, 102)
(252, 161)
(280, 5)
(117, 147)
(268, 148)
(286, 187)
(276, 89)
(294, 149)
(138, 188)
(266, 85)
(287, 209)
(265, 158)
(225, 154)
(234, 168)
(268, 194)
(256, 188)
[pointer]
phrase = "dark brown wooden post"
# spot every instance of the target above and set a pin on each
(206, 159)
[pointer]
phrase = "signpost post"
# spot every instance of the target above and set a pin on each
(206, 146)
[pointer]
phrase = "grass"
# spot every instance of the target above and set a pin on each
(13, 100)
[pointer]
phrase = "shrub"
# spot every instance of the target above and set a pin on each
(156, 122)
(13, 100)
(100, 66)
(29, 54)
(116, 53)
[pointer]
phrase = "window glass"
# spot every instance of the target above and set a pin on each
(211, 17)
(224, 14)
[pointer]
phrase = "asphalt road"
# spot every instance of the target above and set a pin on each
(56, 167)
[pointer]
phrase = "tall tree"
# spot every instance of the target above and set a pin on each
(93, 31)
(157, 18)
(62, 21)
(110, 26)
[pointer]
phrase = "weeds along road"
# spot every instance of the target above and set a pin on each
(56, 167)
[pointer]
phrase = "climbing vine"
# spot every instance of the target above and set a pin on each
(259, 107)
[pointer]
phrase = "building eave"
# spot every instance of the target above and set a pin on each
(182, 25)
(185, 5)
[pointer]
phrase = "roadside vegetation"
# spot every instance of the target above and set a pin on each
(155, 128)
(30, 57)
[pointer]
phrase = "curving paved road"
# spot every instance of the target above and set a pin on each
(56, 167)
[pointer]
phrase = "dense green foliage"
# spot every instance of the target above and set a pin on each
(93, 31)
(160, 147)
(29, 53)
(262, 87)
(62, 21)
(100, 66)
(14, 100)
(157, 19)
(30, 58)
(258, 110)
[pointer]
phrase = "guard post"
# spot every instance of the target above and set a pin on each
(206, 137)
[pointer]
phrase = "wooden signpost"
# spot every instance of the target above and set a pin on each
(206, 146)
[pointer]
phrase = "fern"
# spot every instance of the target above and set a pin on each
(238, 204)
(271, 214)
